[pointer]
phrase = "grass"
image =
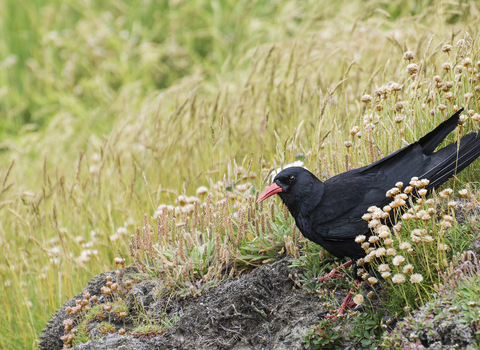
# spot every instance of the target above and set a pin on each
(110, 109)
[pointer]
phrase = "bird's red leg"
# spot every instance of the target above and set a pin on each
(347, 303)
(335, 272)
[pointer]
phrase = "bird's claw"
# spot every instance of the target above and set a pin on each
(332, 274)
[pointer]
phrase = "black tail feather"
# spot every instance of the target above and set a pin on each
(431, 140)
(468, 151)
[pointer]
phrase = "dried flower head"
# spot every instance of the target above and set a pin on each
(202, 190)
(398, 278)
(408, 55)
(467, 61)
(448, 218)
(452, 204)
(398, 260)
(383, 268)
(391, 252)
(386, 275)
(366, 99)
(416, 278)
(463, 192)
(443, 247)
(405, 245)
(388, 241)
(408, 268)
(412, 68)
(360, 239)
(380, 252)
(372, 280)
(446, 48)
(358, 299)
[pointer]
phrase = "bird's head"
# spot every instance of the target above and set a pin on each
(297, 187)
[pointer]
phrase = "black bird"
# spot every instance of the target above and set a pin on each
(330, 213)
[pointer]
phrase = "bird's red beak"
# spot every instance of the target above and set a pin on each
(270, 191)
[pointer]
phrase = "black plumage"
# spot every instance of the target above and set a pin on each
(330, 213)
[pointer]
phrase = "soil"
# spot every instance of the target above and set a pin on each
(263, 309)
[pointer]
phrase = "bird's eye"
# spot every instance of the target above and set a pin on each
(291, 179)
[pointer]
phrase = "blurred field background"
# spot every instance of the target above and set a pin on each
(95, 94)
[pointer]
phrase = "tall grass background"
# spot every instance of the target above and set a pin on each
(109, 109)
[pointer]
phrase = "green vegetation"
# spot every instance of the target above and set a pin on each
(110, 109)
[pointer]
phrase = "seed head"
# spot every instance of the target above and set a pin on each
(408, 55)
(476, 117)
(122, 331)
(398, 260)
(373, 239)
(348, 144)
(452, 204)
(398, 106)
(463, 192)
(416, 278)
(398, 278)
(442, 107)
(422, 192)
(365, 245)
(107, 307)
(405, 245)
(354, 130)
(446, 48)
(449, 95)
(372, 280)
(407, 216)
(388, 241)
(468, 96)
(408, 189)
